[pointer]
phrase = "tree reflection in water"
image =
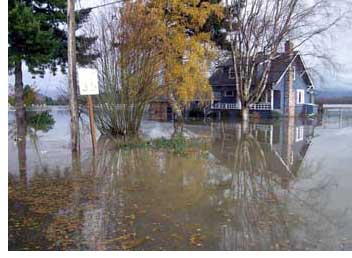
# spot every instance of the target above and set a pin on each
(253, 199)
(257, 193)
(238, 195)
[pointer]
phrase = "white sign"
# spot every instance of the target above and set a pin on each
(88, 81)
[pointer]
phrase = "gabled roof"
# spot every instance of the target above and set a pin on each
(279, 68)
(221, 77)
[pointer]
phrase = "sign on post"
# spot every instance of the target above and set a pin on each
(88, 81)
(88, 85)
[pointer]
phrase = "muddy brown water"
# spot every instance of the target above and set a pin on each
(283, 185)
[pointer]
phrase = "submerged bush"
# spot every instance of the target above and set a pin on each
(42, 121)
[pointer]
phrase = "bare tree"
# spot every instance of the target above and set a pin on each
(129, 67)
(258, 28)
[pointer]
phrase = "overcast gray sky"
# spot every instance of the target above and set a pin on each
(341, 47)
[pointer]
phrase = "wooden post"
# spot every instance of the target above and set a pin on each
(91, 122)
(72, 77)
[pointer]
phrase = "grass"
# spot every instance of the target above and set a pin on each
(177, 144)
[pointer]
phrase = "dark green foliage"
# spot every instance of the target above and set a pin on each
(220, 27)
(217, 26)
(11, 100)
(36, 35)
(49, 101)
(42, 121)
(30, 37)
(60, 101)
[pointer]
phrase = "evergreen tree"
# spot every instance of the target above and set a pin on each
(36, 36)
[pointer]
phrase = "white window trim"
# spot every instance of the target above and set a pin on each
(232, 94)
(299, 133)
(302, 97)
(268, 96)
(294, 72)
(231, 71)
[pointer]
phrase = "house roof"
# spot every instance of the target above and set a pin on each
(278, 69)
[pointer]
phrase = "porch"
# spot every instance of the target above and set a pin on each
(237, 106)
(266, 103)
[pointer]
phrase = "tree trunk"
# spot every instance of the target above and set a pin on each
(72, 79)
(21, 124)
(245, 113)
(19, 98)
(178, 116)
(21, 148)
(245, 119)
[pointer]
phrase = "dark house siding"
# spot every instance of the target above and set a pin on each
(221, 82)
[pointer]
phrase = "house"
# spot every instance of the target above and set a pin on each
(289, 90)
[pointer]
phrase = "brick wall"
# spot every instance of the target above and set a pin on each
(290, 100)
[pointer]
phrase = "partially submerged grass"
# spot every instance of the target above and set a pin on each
(177, 144)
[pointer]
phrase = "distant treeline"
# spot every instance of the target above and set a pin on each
(60, 101)
(339, 100)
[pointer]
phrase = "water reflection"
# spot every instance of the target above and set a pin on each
(261, 167)
(242, 191)
(21, 143)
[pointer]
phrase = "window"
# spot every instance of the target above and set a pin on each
(299, 133)
(228, 93)
(300, 96)
(217, 94)
(231, 73)
(266, 97)
(294, 72)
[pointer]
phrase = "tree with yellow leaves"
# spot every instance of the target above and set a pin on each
(160, 48)
(187, 49)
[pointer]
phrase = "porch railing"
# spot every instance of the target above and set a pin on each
(260, 106)
(234, 106)
(226, 106)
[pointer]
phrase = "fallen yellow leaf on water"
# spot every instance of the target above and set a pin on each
(120, 238)
(156, 229)
(176, 236)
(133, 243)
(196, 239)
(132, 217)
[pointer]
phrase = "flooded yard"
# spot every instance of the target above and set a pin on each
(281, 185)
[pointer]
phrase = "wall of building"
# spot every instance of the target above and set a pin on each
(223, 98)
(159, 111)
(298, 84)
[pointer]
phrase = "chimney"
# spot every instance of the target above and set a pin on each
(289, 47)
(290, 101)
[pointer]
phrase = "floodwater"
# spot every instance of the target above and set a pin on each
(282, 185)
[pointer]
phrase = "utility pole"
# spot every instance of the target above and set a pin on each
(72, 76)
